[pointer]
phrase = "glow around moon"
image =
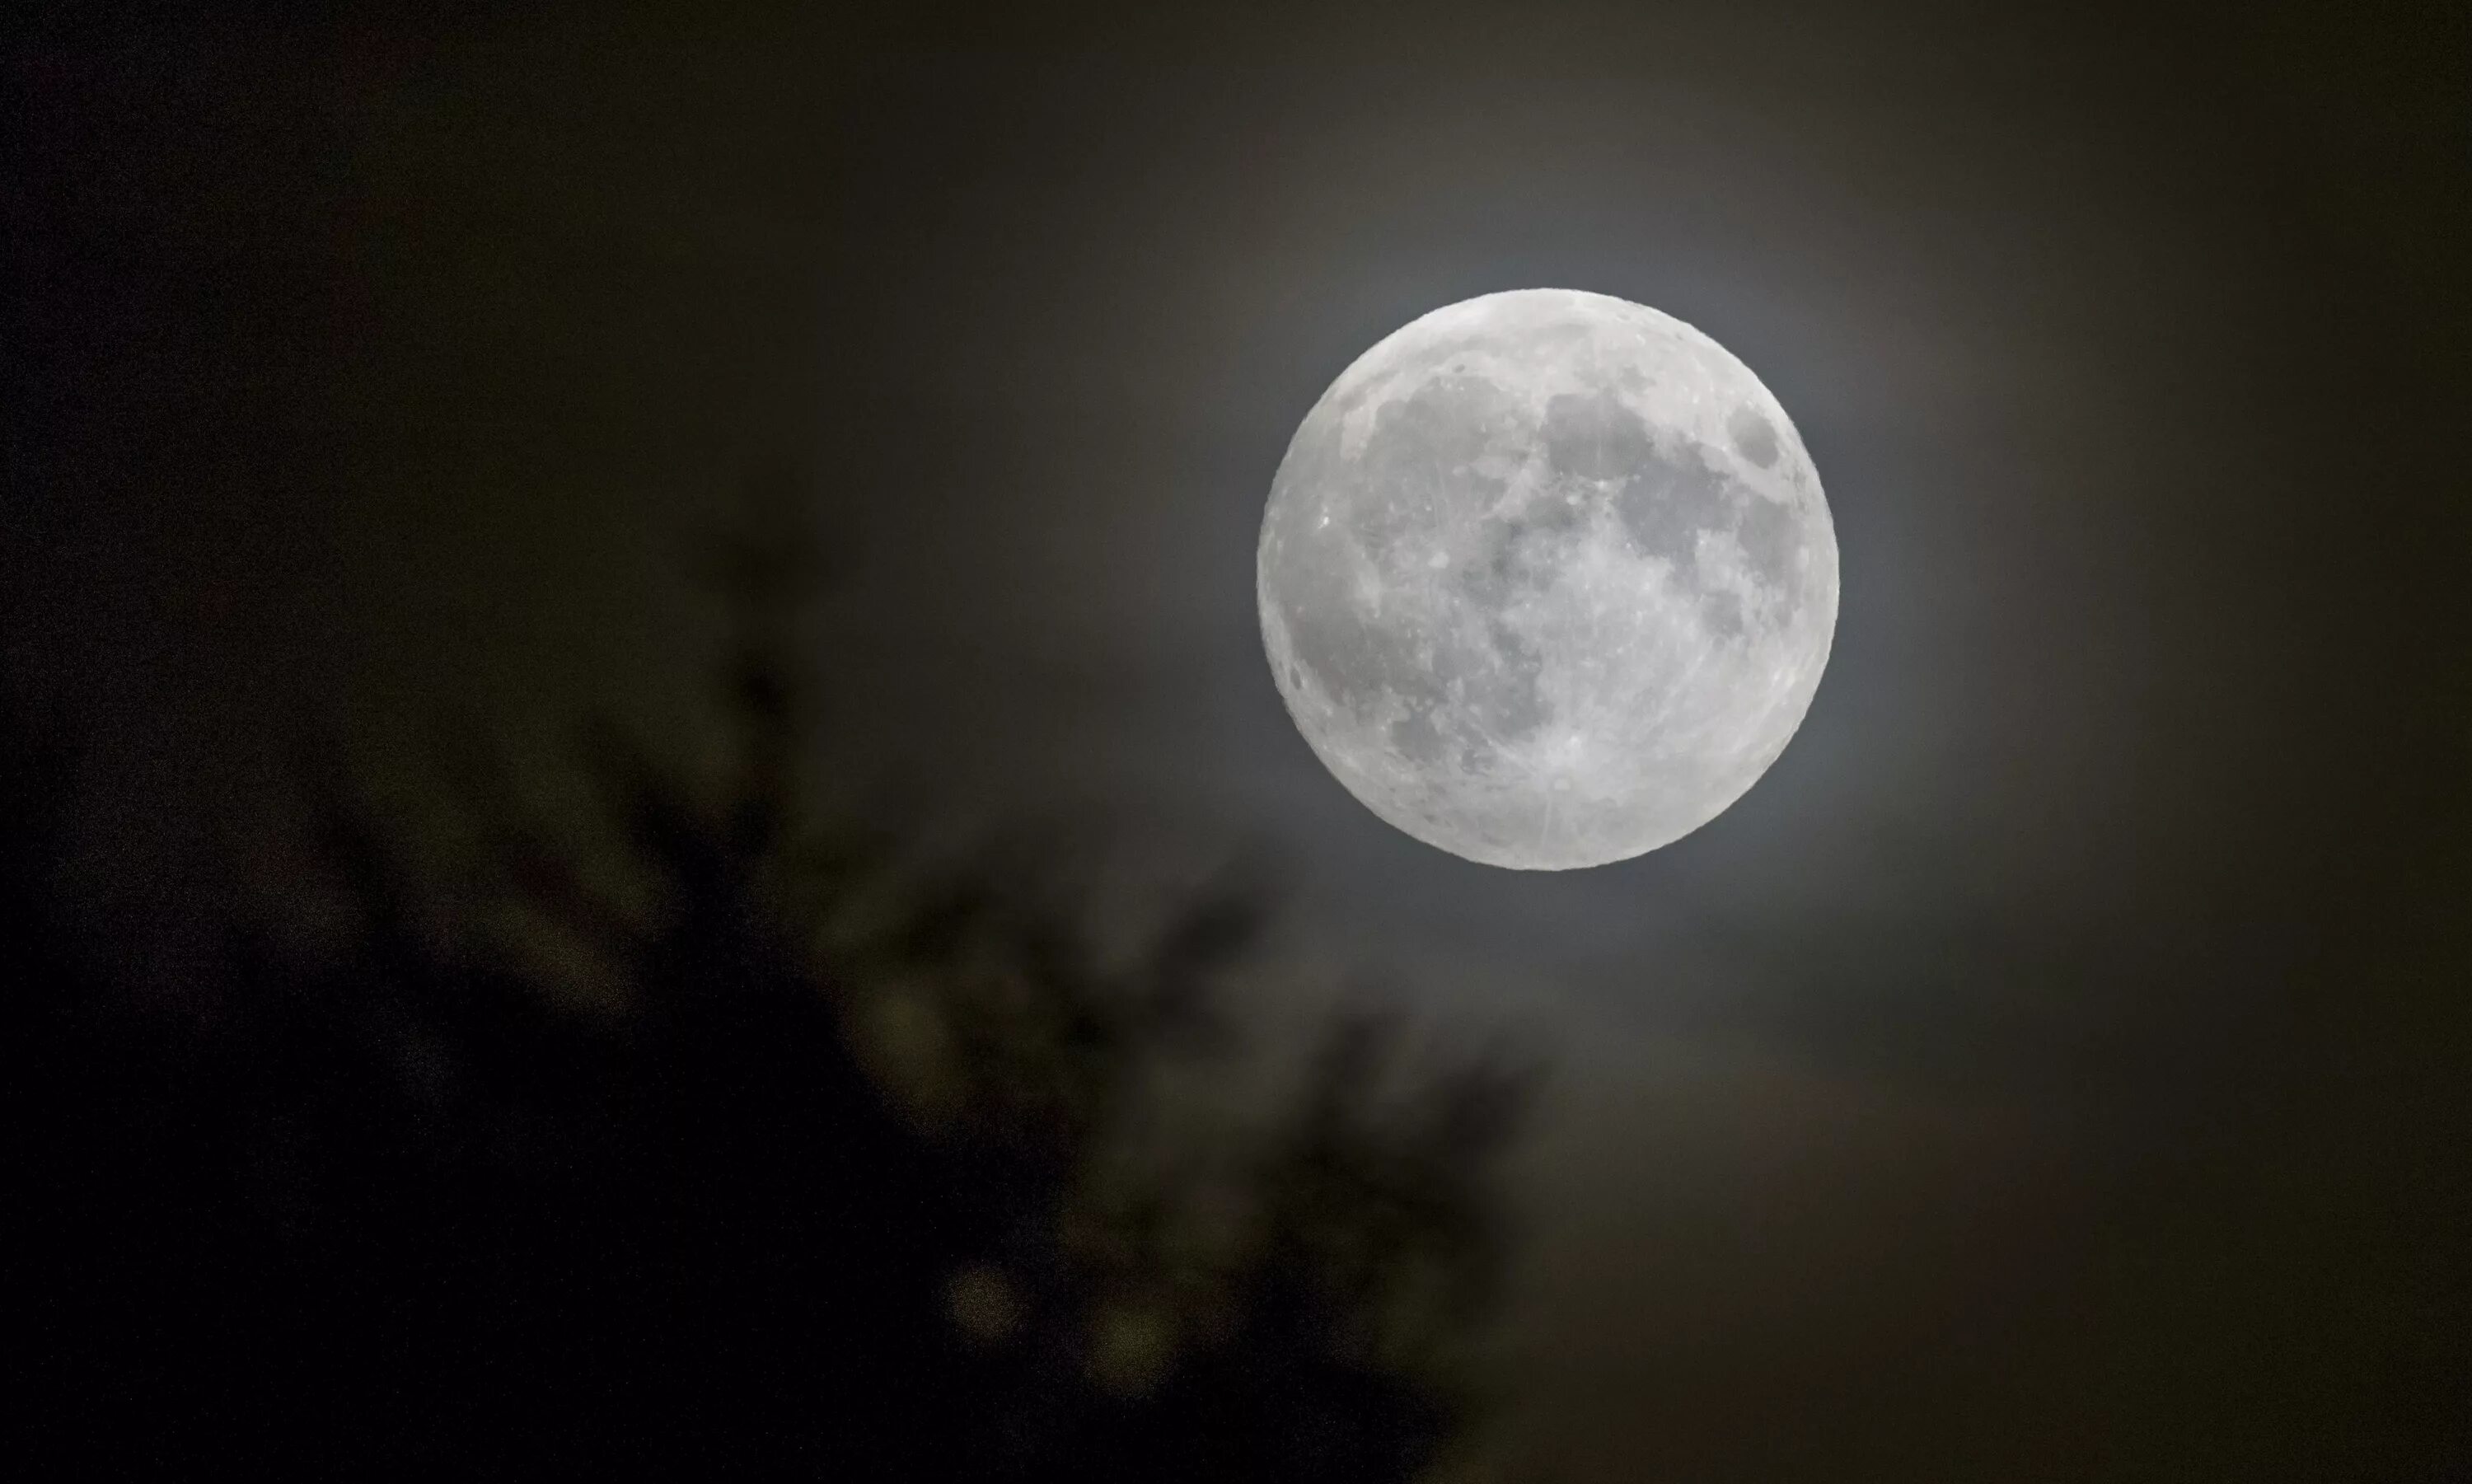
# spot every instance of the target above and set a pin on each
(1547, 579)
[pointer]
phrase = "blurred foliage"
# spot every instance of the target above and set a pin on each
(872, 1175)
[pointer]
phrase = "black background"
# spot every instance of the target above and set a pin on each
(2046, 1071)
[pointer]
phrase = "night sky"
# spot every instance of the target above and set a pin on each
(2043, 1073)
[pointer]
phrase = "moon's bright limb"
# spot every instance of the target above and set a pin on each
(1547, 579)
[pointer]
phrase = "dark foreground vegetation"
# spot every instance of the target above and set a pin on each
(844, 1179)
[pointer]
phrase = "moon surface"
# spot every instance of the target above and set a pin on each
(1547, 579)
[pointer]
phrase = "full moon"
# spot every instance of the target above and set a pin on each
(1547, 579)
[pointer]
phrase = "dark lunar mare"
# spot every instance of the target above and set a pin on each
(1420, 466)
(1415, 464)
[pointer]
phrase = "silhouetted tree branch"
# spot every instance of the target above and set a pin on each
(868, 1177)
